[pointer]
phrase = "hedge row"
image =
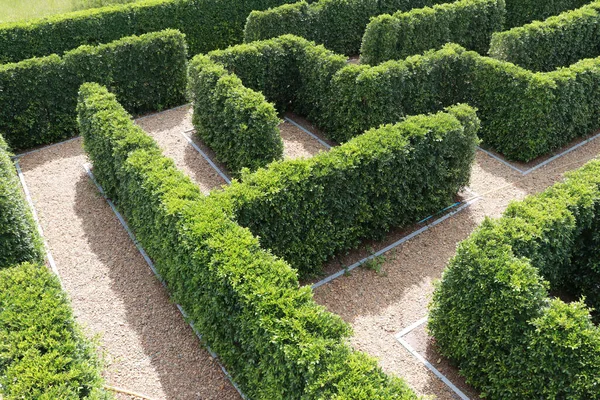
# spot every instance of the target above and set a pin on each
(491, 312)
(338, 24)
(306, 211)
(520, 12)
(207, 24)
(43, 355)
(274, 339)
(469, 23)
(556, 42)
(39, 96)
(523, 114)
(236, 122)
(19, 239)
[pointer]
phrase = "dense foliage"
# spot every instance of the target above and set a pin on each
(556, 42)
(340, 24)
(207, 24)
(305, 211)
(523, 114)
(337, 24)
(519, 12)
(43, 353)
(273, 338)
(469, 23)
(39, 95)
(19, 239)
(491, 312)
(237, 123)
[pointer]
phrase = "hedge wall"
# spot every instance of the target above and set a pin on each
(306, 211)
(39, 95)
(556, 42)
(43, 354)
(523, 114)
(274, 339)
(520, 12)
(338, 24)
(236, 122)
(207, 24)
(469, 23)
(491, 312)
(19, 239)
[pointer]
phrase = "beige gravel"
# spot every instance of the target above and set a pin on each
(380, 305)
(377, 305)
(148, 348)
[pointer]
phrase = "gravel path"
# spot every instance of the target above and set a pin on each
(148, 348)
(380, 305)
(105, 275)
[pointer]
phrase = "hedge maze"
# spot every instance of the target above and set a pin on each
(436, 78)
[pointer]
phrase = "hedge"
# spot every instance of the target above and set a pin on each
(207, 24)
(523, 114)
(236, 122)
(520, 12)
(270, 334)
(556, 42)
(492, 313)
(306, 211)
(43, 355)
(39, 95)
(338, 24)
(469, 23)
(19, 239)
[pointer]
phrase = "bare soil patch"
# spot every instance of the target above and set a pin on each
(147, 346)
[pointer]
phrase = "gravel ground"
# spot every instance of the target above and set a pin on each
(378, 305)
(104, 264)
(147, 346)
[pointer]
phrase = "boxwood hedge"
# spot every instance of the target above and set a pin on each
(43, 355)
(469, 23)
(556, 42)
(492, 313)
(39, 95)
(521, 12)
(338, 24)
(236, 122)
(274, 339)
(19, 239)
(306, 211)
(523, 114)
(207, 24)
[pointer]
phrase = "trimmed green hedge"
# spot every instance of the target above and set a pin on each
(236, 122)
(207, 24)
(491, 312)
(19, 239)
(469, 23)
(39, 95)
(556, 42)
(520, 12)
(274, 339)
(43, 353)
(337, 24)
(306, 211)
(523, 114)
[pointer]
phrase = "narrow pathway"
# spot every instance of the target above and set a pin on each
(379, 305)
(147, 346)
